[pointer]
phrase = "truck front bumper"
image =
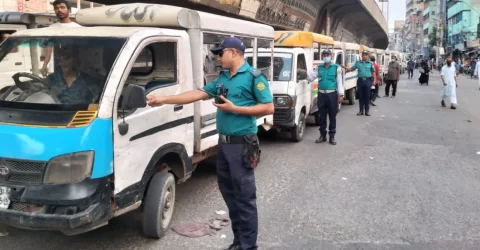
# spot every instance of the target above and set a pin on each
(68, 208)
(284, 117)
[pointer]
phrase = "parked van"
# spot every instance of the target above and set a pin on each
(295, 54)
(72, 164)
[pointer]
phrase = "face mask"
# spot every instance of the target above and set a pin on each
(326, 59)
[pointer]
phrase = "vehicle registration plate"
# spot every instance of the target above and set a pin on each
(4, 197)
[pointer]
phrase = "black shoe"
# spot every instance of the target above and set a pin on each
(367, 114)
(321, 139)
(234, 247)
(332, 141)
(372, 103)
(360, 113)
(443, 104)
(453, 107)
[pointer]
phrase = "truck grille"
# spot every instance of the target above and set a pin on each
(21, 172)
(282, 115)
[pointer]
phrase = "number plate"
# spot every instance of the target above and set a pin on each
(4, 197)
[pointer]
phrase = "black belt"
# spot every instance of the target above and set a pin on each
(365, 78)
(230, 139)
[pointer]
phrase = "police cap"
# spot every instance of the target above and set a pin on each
(327, 52)
(365, 52)
(229, 43)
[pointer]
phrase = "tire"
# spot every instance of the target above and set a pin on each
(299, 130)
(351, 94)
(157, 217)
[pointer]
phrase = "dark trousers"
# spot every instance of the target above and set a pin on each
(410, 73)
(327, 104)
(364, 92)
(394, 87)
(237, 185)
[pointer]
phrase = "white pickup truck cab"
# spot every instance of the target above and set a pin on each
(74, 162)
(295, 98)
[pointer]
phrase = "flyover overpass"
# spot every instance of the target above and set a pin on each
(359, 21)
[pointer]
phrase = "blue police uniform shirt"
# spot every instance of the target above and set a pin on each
(244, 89)
(328, 76)
(82, 91)
(365, 69)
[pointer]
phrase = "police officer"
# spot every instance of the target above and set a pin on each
(241, 94)
(365, 80)
(330, 94)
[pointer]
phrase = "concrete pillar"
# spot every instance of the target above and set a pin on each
(327, 32)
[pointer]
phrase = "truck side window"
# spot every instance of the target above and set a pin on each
(301, 65)
(339, 59)
(144, 63)
(211, 66)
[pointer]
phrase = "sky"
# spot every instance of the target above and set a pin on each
(397, 11)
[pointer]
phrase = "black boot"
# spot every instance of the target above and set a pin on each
(322, 138)
(332, 141)
(360, 113)
(367, 113)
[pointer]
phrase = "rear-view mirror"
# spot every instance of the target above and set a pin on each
(133, 97)
(301, 75)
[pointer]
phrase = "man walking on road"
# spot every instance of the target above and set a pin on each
(241, 94)
(449, 79)
(393, 75)
(366, 77)
(411, 66)
(477, 72)
(330, 94)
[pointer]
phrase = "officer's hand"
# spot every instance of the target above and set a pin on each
(228, 106)
(340, 99)
(154, 101)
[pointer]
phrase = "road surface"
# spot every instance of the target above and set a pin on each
(408, 177)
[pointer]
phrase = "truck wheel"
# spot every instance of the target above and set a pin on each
(351, 94)
(158, 205)
(298, 130)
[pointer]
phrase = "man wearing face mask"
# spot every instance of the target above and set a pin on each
(330, 94)
(241, 94)
(366, 77)
(393, 75)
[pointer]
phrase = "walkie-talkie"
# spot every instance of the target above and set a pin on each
(221, 91)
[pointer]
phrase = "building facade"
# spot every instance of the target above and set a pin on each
(414, 26)
(463, 19)
(39, 6)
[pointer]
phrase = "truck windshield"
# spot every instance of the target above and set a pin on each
(282, 65)
(55, 73)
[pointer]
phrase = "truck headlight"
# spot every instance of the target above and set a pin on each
(69, 168)
(284, 101)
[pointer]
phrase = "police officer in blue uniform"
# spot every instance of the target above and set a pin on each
(330, 94)
(241, 94)
(365, 80)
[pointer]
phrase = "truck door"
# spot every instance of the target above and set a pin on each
(158, 65)
(303, 89)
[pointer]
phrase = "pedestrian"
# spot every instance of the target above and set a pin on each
(365, 80)
(330, 95)
(393, 76)
(477, 71)
(376, 84)
(62, 9)
(411, 66)
(473, 63)
(424, 73)
(450, 85)
(241, 94)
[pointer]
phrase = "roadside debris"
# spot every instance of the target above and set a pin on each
(199, 228)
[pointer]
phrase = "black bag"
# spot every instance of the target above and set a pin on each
(251, 151)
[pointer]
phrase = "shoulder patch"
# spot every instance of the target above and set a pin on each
(260, 86)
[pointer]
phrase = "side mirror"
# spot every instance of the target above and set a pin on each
(133, 97)
(301, 75)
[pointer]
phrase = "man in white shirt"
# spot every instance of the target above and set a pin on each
(63, 9)
(449, 79)
(477, 71)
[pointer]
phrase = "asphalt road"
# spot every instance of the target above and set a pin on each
(405, 178)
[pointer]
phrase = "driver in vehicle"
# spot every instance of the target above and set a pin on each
(71, 85)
